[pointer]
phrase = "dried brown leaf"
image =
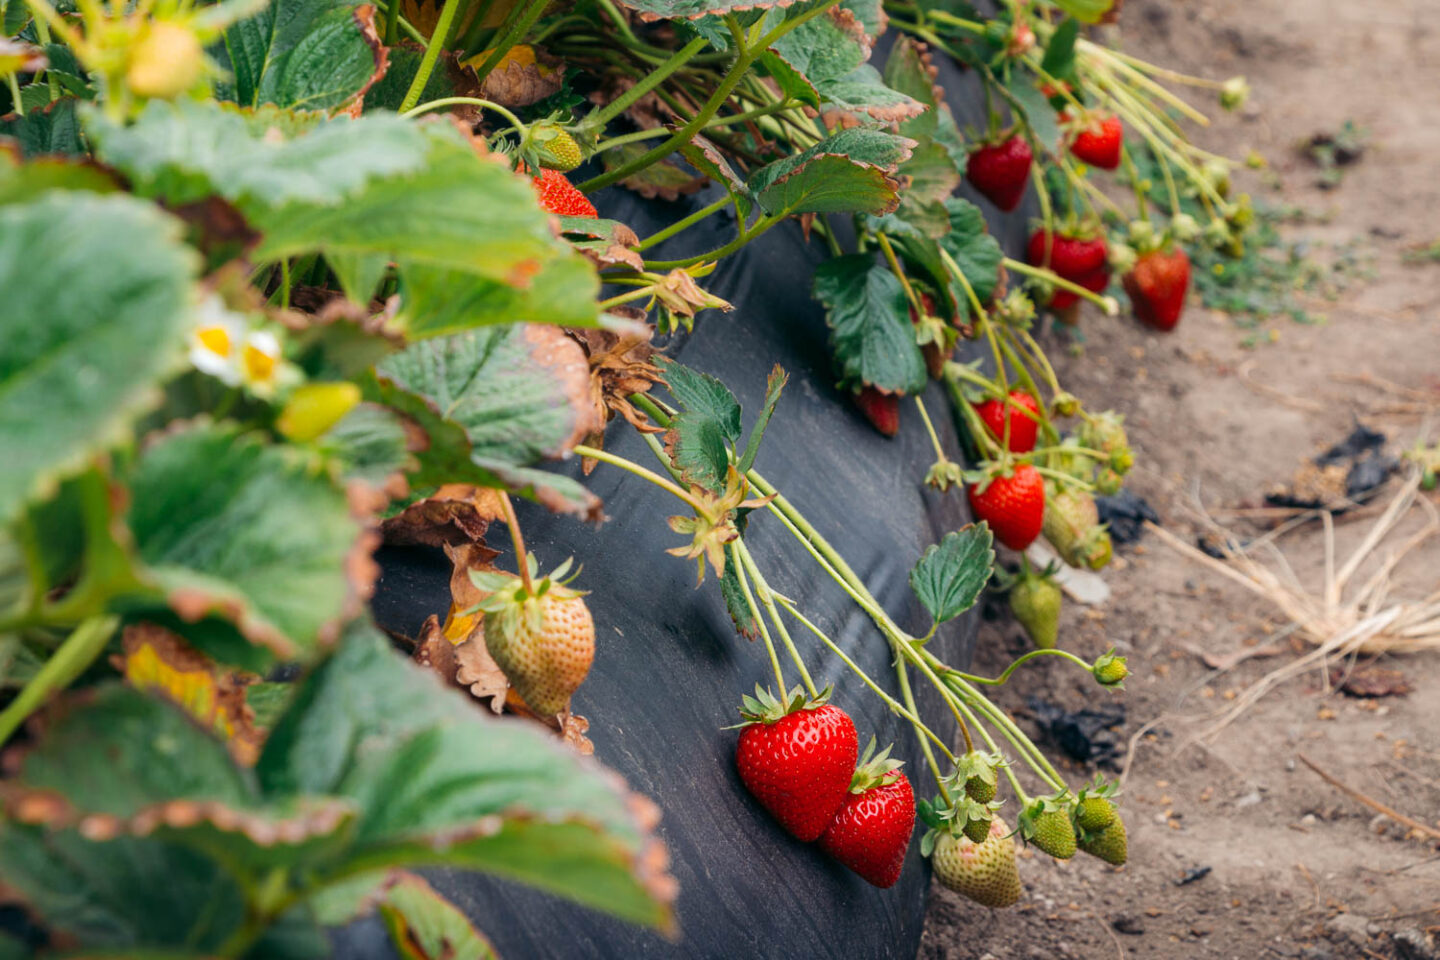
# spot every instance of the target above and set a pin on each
(454, 514)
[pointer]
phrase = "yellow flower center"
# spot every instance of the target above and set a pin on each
(259, 365)
(215, 339)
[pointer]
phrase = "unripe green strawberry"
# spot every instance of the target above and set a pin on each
(977, 828)
(1110, 670)
(1046, 824)
(1108, 482)
(976, 771)
(560, 152)
(1072, 525)
(166, 61)
(1106, 432)
(1110, 844)
(986, 872)
(544, 641)
(1035, 600)
(1093, 814)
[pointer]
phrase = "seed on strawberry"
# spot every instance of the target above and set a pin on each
(881, 409)
(558, 195)
(797, 759)
(1024, 416)
(1157, 287)
(1001, 171)
(1098, 140)
(986, 872)
(871, 831)
(542, 639)
(1111, 844)
(1013, 505)
(1035, 601)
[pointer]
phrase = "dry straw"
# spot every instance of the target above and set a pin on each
(1341, 620)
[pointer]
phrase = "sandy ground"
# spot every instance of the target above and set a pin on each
(1297, 868)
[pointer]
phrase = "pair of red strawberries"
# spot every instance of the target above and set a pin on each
(802, 768)
(1000, 169)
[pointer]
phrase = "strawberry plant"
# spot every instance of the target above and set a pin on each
(286, 278)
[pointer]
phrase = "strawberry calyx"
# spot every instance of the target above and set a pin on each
(767, 708)
(713, 524)
(508, 601)
(875, 769)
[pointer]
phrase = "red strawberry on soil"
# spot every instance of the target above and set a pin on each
(1013, 505)
(1157, 287)
(872, 829)
(881, 409)
(559, 196)
(1023, 427)
(1001, 171)
(1097, 142)
(797, 758)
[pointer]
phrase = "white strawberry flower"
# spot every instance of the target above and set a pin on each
(217, 340)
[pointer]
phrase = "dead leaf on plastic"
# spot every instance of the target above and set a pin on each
(524, 75)
(454, 514)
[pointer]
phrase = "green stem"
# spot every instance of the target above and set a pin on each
(1107, 304)
(904, 680)
(899, 272)
(432, 53)
(759, 620)
(68, 661)
(684, 224)
(619, 298)
(639, 471)
(429, 105)
(392, 23)
(761, 224)
(930, 429)
(997, 681)
(653, 79)
(42, 33)
(895, 706)
(767, 599)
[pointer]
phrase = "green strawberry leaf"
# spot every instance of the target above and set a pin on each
(50, 129)
(862, 93)
(970, 245)
(1059, 59)
(426, 926)
(707, 428)
(438, 782)
(227, 525)
(705, 157)
(470, 231)
(908, 71)
(1036, 109)
(736, 604)
(949, 575)
(792, 82)
(301, 54)
(97, 302)
(651, 10)
(1086, 11)
(368, 445)
(774, 384)
(446, 79)
(493, 401)
(871, 335)
(850, 172)
(185, 151)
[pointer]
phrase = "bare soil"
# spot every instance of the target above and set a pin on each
(1296, 867)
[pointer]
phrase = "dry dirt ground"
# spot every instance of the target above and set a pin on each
(1296, 867)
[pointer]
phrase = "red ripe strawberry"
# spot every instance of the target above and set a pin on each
(797, 759)
(1098, 142)
(1157, 287)
(881, 409)
(559, 196)
(872, 829)
(1001, 171)
(1022, 428)
(1073, 257)
(1014, 506)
